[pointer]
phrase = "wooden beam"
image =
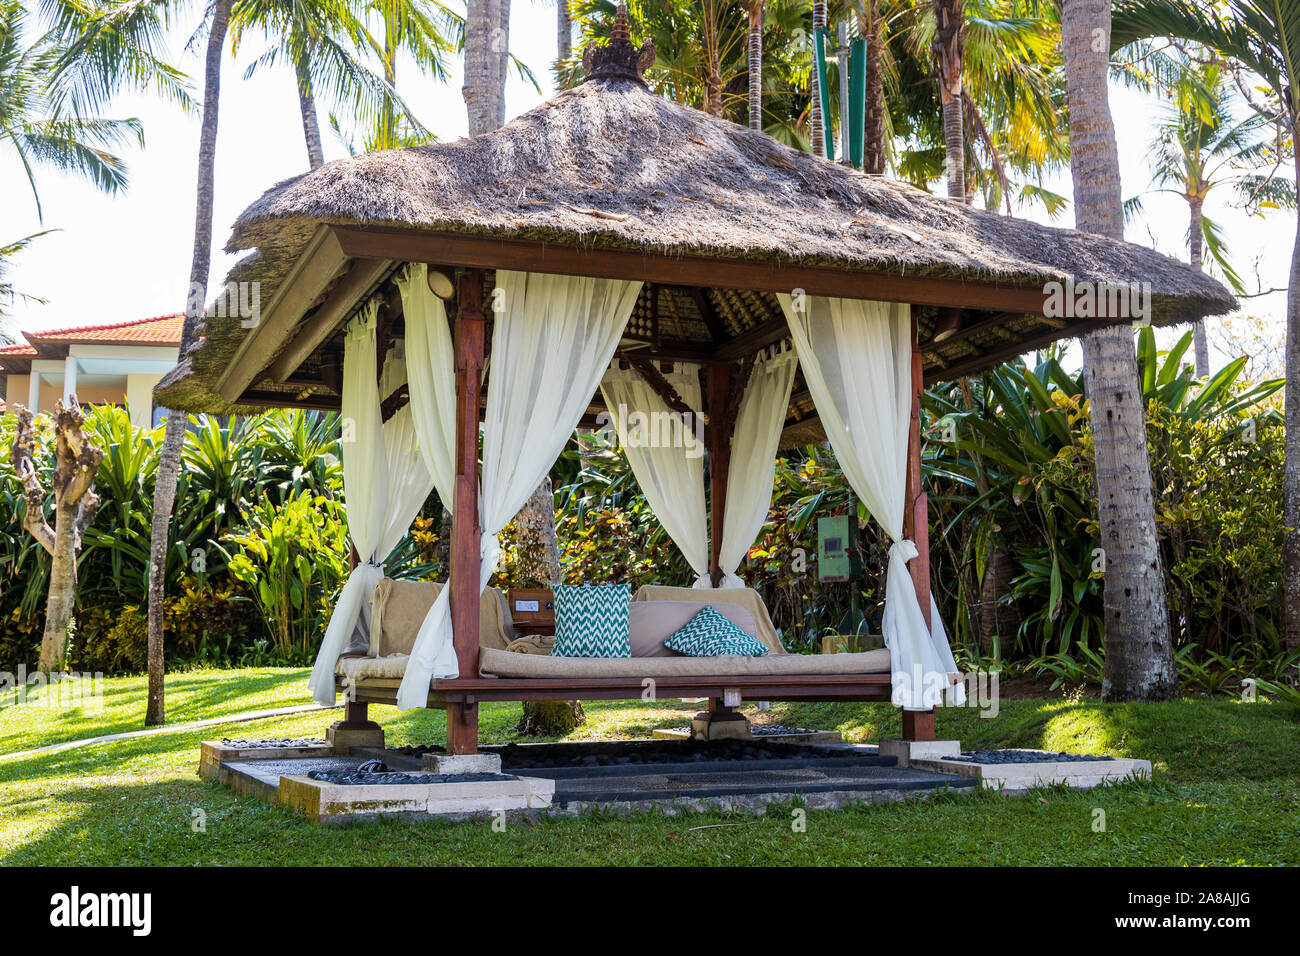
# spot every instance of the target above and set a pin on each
(266, 399)
(669, 352)
(661, 386)
(319, 263)
(410, 245)
(760, 337)
(916, 526)
(969, 331)
(717, 331)
(916, 515)
(719, 448)
(469, 338)
(346, 295)
(1004, 353)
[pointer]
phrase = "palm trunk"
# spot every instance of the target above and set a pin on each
(537, 557)
(755, 12)
(873, 141)
(537, 550)
(712, 64)
(1139, 651)
(1200, 343)
(1291, 478)
(310, 123)
(481, 87)
(388, 134)
(563, 34)
(947, 54)
(816, 136)
(502, 51)
(169, 457)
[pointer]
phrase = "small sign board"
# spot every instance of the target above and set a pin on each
(532, 606)
(833, 562)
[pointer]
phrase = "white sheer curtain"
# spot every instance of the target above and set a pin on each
(383, 484)
(431, 363)
(553, 338)
(754, 442)
(856, 359)
(666, 453)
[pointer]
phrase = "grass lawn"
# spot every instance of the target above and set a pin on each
(1227, 791)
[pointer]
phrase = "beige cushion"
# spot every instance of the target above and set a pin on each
(397, 608)
(494, 663)
(357, 668)
(650, 623)
(532, 644)
(721, 598)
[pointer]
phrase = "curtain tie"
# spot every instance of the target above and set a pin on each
(904, 550)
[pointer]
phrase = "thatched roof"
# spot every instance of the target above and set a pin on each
(611, 165)
(671, 178)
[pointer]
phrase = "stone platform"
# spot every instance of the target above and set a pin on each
(569, 778)
(1013, 777)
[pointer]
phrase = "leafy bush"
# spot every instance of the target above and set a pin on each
(293, 557)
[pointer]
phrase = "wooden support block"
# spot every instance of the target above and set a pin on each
(462, 728)
(918, 725)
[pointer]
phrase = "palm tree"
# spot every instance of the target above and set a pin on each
(324, 42)
(946, 52)
(169, 456)
(1201, 144)
(816, 130)
(1260, 39)
(754, 11)
(42, 120)
(7, 291)
(563, 33)
(1012, 97)
(487, 26)
(871, 25)
(1139, 651)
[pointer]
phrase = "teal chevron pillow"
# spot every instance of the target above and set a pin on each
(591, 620)
(709, 634)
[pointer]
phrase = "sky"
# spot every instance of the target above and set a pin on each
(124, 257)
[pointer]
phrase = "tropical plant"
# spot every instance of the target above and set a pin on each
(293, 556)
(1010, 472)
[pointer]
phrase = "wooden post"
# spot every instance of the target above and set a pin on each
(719, 447)
(917, 725)
(462, 718)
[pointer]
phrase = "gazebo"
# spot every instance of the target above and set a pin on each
(610, 251)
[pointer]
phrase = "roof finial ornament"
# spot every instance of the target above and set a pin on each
(618, 59)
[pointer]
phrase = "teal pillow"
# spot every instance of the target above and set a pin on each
(591, 620)
(709, 634)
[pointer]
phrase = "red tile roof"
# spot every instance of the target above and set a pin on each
(159, 330)
(19, 349)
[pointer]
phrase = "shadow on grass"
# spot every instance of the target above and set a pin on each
(190, 696)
